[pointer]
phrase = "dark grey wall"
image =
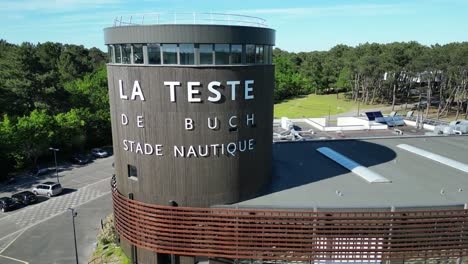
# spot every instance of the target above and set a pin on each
(202, 181)
(189, 34)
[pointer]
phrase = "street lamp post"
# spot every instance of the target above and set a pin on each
(56, 166)
(74, 214)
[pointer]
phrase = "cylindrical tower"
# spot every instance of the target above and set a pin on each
(192, 110)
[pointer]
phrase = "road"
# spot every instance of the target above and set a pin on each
(42, 233)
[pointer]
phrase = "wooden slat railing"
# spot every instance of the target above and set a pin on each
(292, 235)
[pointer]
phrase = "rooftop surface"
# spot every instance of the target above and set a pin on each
(311, 133)
(304, 178)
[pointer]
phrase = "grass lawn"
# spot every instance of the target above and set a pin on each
(317, 106)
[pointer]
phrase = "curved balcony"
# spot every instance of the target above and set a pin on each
(292, 235)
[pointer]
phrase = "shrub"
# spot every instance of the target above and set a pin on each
(108, 233)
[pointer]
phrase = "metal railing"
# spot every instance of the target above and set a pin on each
(189, 18)
(429, 121)
(292, 235)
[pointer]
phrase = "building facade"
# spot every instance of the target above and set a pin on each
(191, 110)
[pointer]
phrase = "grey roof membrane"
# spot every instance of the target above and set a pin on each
(304, 178)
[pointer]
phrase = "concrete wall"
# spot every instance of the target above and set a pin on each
(425, 126)
(344, 124)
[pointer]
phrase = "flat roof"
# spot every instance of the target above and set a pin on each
(306, 128)
(304, 178)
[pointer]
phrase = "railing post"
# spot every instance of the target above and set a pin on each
(460, 259)
(389, 246)
(316, 242)
(174, 258)
(237, 233)
(133, 247)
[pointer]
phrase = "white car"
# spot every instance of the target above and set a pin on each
(48, 188)
(99, 153)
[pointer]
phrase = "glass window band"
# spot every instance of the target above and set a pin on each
(190, 54)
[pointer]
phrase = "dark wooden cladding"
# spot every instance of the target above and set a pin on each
(189, 34)
(202, 181)
(292, 235)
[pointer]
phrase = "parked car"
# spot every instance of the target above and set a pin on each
(25, 197)
(99, 153)
(37, 171)
(7, 204)
(48, 188)
(80, 159)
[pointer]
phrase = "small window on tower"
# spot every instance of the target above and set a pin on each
(250, 54)
(118, 54)
(137, 54)
(126, 53)
(132, 172)
(111, 53)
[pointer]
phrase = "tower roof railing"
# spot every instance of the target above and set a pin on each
(196, 18)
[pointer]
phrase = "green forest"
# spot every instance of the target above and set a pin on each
(55, 95)
(51, 95)
(393, 73)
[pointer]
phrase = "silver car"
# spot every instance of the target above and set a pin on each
(99, 153)
(48, 188)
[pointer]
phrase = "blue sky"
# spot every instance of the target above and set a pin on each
(301, 25)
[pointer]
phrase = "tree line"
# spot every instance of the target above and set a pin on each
(55, 95)
(51, 95)
(371, 73)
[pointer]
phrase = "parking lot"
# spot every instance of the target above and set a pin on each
(81, 184)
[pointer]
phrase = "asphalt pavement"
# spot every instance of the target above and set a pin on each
(51, 242)
(42, 233)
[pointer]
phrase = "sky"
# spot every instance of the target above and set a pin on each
(301, 25)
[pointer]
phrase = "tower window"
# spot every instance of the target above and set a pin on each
(111, 53)
(138, 54)
(187, 54)
(154, 54)
(132, 171)
(222, 54)
(126, 53)
(206, 53)
(250, 54)
(236, 54)
(259, 56)
(118, 54)
(169, 53)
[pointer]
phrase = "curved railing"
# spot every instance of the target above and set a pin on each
(292, 235)
(190, 18)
